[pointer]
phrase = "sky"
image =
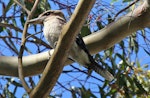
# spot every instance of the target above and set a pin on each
(72, 79)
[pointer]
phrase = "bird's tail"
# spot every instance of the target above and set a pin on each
(103, 72)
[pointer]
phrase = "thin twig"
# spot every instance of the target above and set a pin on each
(11, 48)
(86, 73)
(32, 35)
(125, 9)
(63, 86)
(17, 2)
(20, 65)
(10, 26)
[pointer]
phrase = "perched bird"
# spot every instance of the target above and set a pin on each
(53, 21)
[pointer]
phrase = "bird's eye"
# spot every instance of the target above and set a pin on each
(46, 14)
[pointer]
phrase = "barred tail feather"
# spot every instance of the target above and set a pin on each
(103, 72)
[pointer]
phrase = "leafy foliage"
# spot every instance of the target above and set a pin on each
(126, 60)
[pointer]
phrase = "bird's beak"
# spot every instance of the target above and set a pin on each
(38, 20)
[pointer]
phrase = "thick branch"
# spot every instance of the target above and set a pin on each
(118, 30)
(32, 65)
(103, 39)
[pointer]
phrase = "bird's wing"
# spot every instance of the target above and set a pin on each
(93, 64)
(81, 44)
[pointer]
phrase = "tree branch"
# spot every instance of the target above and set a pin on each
(56, 63)
(11, 26)
(118, 30)
(20, 65)
(125, 8)
(96, 42)
(17, 2)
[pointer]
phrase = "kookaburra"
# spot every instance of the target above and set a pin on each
(53, 21)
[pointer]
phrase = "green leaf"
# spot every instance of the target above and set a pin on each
(11, 2)
(22, 20)
(139, 86)
(122, 58)
(138, 63)
(1, 29)
(85, 31)
(86, 93)
(114, 1)
(44, 5)
(110, 20)
(122, 80)
(102, 92)
(25, 95)
(124, 1)
(131, 83)
(136, 46)
(99, 24)
(73, 94)
(122, 45)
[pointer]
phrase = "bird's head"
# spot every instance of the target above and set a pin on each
(47, 15)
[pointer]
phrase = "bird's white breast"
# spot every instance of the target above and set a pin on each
(52, 30)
